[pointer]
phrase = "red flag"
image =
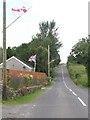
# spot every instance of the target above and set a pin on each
(32, 58)
(23, 9)
(19, 10)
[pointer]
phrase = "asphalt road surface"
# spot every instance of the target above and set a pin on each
(62, 100)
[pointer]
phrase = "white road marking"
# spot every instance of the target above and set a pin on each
(81, 101)
(64, 81)
(65, 85)
(74, 93)
(70, 90)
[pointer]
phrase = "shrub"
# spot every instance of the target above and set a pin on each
(24, 90)
(16, 82)
(8, 80)
(28, 80)
(53, 72)
(77, 75)
(10, 93)
(49, 79)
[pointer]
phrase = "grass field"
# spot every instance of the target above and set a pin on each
(78, 74)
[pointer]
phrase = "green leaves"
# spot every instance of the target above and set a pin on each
(79, 52)
(48, 35)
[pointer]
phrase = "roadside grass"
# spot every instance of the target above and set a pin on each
(78, 74)
(27, 98)
(0, 102)
(24, 99)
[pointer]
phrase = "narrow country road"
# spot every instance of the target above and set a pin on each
(62, 100)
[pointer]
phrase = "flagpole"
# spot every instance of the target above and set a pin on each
(4, 94)
(33, 59)
(16, 19)
(13, 22)
(34, 66)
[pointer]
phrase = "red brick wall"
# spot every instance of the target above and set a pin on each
(37, 75)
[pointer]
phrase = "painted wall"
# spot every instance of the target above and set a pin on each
(15, 65)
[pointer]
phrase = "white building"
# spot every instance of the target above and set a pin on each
(14, 63)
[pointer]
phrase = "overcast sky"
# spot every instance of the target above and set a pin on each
(71, 16)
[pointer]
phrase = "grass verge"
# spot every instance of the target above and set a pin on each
(78, 74)
(24, 99)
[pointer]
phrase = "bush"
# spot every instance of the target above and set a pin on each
(49, 79)
(16, 82)
(24, 91)
(52, 72)
(28, 80)
(8, 80)
(78, 74)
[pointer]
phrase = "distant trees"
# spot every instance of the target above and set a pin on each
(89, 62)
(39, 45)
(10, 52)
(79, 53)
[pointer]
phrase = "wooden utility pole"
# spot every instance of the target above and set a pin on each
(4, 95)
(89, 44)
(48, 61)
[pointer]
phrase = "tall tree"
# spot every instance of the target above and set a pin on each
(42, 59)
(79, 52)
(10, 52)
(39, 45)
(49, 34)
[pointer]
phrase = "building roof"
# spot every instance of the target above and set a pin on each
(13, 57)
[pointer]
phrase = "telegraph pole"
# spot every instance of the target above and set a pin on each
(89, 57)
(89, 44)
(48, 61)
(4, 95)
